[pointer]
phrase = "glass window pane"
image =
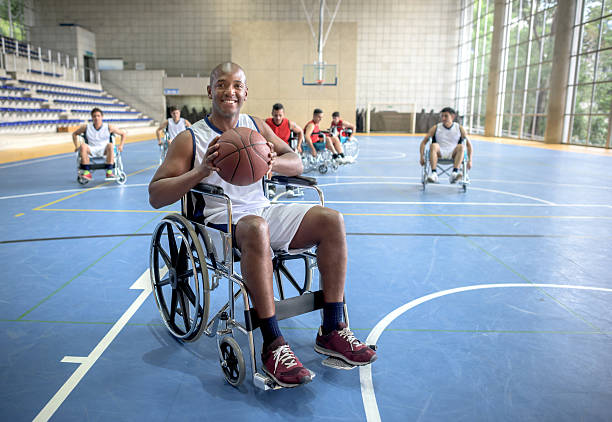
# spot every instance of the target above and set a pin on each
(514, 127)
(603, 98)
(527, 126)
(606, 34)
(507, 103)
(607, 7)
(522, 54)
(599, 131)
(550, 17)
(542, 102)
(533, 77)
(590, 35)
(513, 37)
(545, 73)
(579, 130)
(583, 99)
(511, 58)
(535, 51)
(530, 97)
(520, 79)
(586, 71)
(523, 30)
(515, 9)
(547, 48)
(592, 9)
(540, 127)
(538, 25)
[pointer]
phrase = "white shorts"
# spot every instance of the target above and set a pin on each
(446, 154)
(283, 221)
(96, 151)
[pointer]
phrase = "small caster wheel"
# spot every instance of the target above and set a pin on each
(232, 361)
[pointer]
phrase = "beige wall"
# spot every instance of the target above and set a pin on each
(273, 63)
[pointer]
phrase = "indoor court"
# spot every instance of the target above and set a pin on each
(488, 299)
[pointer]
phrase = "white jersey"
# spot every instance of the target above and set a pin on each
(447, 137)
(175, 128)
(244, 198)
(97, 138)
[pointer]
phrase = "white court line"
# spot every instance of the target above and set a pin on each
(365, 372)
(23, 163)
(398, 156)
(143, 282)
(472, 188)
(25, 195)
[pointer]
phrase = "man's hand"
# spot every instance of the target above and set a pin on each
(469, 164)
(272, 155)
(120, 147)
(422, 160)
(207, 166)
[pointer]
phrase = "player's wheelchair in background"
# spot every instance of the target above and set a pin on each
(349, 144)
(99, 163)
(444, 167)
(323, 162)
(163, 147)
(188, 260)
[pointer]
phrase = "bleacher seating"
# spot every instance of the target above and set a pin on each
(57, 105)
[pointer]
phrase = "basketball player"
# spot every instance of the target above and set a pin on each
(98, 144)
(282, 126)
(174, 125)
(338, 126)
(332, 143)
(447, 139)
(261, 226)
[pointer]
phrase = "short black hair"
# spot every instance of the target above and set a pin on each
(173, 108)
(448, 110)
(317, 111)
(96, 110)
(278, 106)
(336, 114)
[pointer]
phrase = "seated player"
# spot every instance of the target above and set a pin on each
(447, 143)
(99, 143)
(260, 226)
(282, 126)
(312, 132)
(174, 125)
(339, 126)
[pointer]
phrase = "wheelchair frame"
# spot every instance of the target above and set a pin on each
(186, 270)
(323, 162)
(351, 146)
(95, 164)
(163, 147)
(445, 166)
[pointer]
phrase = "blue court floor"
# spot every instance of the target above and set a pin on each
(489, 305)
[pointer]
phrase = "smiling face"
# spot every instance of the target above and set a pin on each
(278, 116)
(228, 90)
(447, 118)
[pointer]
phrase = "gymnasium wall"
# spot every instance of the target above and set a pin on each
(397, 58)
(273, 62)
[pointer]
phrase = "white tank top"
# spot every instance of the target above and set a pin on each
(97, 137)
(244, 198)
(175, 128)
(447, 138)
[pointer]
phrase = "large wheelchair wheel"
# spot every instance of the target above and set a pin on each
(121, 176)
(232, 361)
(179, 277)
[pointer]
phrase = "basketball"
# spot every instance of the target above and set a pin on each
(243, 156)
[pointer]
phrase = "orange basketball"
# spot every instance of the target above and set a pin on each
(243, 156)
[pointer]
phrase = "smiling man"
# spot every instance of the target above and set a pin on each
(260, 226)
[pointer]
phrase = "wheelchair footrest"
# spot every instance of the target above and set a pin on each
(265, 382)
(336, 363)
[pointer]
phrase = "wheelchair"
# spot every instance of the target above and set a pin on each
(323, 162)
(188, 260)
(163, 147)
(444, 167)
(350, 145)
(99, 163)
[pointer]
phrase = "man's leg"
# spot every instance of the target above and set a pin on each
(337, 145)
(324, 228)
(85, 166)
(457, 156)
(434, 155)
(109, 152)
(253, 240)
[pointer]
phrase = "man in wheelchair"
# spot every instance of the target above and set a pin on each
(282, 126)
(261, 227)
(313, 132)
(98, 143)
(447, 143)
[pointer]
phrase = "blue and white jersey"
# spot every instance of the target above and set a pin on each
(175, 128)
(447, 137)
(97, 138)
(244, 198)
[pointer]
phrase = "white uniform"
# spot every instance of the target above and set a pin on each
(447, 139)
(97, 139)
(175, 128)
(283, 220)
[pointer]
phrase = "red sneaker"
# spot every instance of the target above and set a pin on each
(86, 174)
(283, 366)
(341, 343)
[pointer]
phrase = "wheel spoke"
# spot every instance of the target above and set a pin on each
(172, 244)
(185, 310)
(181, 262)
(163, 282)
(164, 255)
(186, 289)
(173, 305)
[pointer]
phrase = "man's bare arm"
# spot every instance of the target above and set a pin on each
(76, 133)
(160, 130)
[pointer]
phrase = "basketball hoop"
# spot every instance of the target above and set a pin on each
(319, 81)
